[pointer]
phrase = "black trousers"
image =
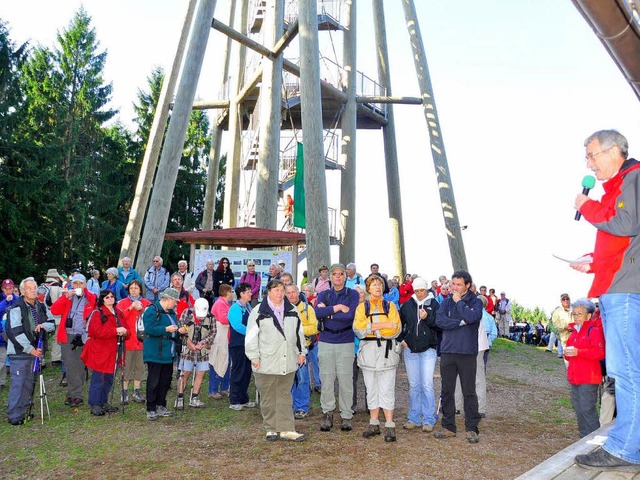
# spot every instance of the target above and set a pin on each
(158, 383)
(452, 365)
(239, 377)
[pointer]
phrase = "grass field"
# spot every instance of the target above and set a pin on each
(529, 418)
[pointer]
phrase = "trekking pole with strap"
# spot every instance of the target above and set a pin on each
(119, 363)
(180, 373)
(37, 373)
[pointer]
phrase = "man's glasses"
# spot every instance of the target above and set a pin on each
(591, 156)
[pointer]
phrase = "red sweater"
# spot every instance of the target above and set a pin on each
(406, 290)
(585, 367)
(130, 318)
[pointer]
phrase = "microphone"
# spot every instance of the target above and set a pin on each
(588, 182)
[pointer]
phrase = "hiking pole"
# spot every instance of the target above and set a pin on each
(115, 370)
(180, 374)
(438, 409)
(43, 390)
(36, 369)
(120, 361)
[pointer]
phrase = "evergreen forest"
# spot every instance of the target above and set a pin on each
(69, 166)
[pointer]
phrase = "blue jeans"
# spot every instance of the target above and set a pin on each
(420, 368)
(218, 383)
(313, 357)
(621, 321)
(99, 388)
(300, 390)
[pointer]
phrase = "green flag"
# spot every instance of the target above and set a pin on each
(299, 212)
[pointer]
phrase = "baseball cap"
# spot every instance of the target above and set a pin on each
(8, 283)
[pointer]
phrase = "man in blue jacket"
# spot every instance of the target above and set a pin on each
(459, 317)
(335, 310)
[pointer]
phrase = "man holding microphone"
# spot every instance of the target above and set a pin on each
(616, 268)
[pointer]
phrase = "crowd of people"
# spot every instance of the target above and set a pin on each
(344, 325)
(294, 341)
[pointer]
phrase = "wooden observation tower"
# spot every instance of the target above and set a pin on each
(278, 88)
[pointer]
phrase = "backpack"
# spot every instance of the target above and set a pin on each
(367, 307)
(140, 323)
(47, 296)
(385, 312)
(103, 318)
(315, 283)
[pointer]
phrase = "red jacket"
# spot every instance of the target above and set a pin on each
(129, 320)
(186, 301)
(406, 290)
(99, 353)
(585, 367)
(62, 306)
(616, 242)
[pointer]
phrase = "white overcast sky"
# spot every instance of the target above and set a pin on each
(518, 87)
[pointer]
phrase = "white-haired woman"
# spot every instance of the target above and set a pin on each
(584, 352)
(116, 286)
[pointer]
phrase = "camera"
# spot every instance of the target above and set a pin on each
(76, 341)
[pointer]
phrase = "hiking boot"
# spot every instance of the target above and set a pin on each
(68, 401)
(179, 402)
(124, 398)
(152, 415)
(472, 437)
(444, 433)
(427, 428)
(390, 434)
(215, 396)
(292, 436)
(76, 402)
(97, 410)
(137, 396)
(250, 405)
(109, 408)
(346, 425)
(162, 411)
(272, 436)
(237, 407)
(600, 459)
(225, 393)
(372, 431)
(409, 426)
(327, 422)
(195, 402)
(299, 415)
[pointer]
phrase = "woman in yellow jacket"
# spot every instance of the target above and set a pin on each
(377, 324)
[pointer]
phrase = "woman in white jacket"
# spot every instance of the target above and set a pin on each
(275, 345)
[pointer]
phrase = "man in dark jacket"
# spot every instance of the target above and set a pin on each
(25, 320)
(335, 310)
(459, 317)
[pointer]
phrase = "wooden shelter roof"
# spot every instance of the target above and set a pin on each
(246, 237)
